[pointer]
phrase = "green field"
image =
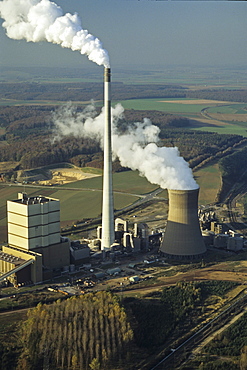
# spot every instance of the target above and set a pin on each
(231, 129)
(229, 125)
(160, 105)
(81, 199)
(84, 203)
(127, 181)
(209, 180)
(229, 109)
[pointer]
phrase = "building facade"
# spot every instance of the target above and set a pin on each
(33, 222)
(35, 247)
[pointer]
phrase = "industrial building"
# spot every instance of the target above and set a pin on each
(79, 252)
(33, 237)
(36, 247)
(33, 222)
(20, 266)
(230, 241)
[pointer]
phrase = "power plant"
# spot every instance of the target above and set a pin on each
(108, 235)
(183, 237)
(36, 249)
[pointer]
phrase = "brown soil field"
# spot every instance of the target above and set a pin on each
(208, 122)
(64, 176)
(229, 117)
(70, 175)
(219, 272)
(154, 215)
(224, 271)
(172, 280)
(205, 274)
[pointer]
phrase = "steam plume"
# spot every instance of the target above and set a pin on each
(35, 20)
(136, 148)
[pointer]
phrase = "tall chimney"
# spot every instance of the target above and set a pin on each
(108, 235)
(183, 238)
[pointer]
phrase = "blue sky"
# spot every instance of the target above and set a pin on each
(146, 33)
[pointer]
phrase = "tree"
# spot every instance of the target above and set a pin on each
(95, 364)
(74, 333)
(243, 358)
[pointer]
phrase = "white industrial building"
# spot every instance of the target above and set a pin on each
(33, 222)
(34, 236)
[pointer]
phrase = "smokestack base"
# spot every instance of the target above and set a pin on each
(183, 238)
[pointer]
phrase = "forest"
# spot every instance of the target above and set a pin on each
(234, 169)
(27, 131)
(85, 332)
(231, 344)
(97, 330)
(84, 91)
(103, 331)
(157, 318)
(234, 164)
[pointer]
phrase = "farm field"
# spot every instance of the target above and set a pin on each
(82, 199)
(230, 109)
(222, 127)
(209, 180)
(168, 105)
(214, 116)
(126, 181)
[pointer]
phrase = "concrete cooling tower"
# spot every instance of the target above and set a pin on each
(183, 238)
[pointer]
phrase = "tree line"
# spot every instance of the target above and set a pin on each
(85, 332)
(99, 331)
(27, 131)
(84, 91)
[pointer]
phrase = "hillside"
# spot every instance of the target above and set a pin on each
(27, 132)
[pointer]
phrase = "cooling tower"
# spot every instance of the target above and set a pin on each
(183, 238)
(108, 235)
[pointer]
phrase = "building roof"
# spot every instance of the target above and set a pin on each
(24, 199)
(11, 259)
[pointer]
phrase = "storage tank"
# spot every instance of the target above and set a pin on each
(183, 237)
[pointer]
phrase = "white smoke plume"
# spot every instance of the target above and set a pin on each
(137, 148)
(43, 20)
